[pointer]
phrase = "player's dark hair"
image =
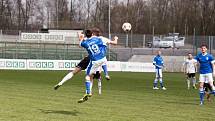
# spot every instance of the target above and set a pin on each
(189, 53)
(96, 31)
(88, 33)
(204, 45)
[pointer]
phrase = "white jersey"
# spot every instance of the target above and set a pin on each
(104, 40)
(190, 66)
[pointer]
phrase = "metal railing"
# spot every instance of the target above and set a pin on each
(54, 51)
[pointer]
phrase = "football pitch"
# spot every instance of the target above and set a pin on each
(29, 96)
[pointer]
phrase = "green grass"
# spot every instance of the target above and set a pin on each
(29, 96)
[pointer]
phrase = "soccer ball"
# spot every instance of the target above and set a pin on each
(126, 27)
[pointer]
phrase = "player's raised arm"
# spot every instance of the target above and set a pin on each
(108, 41)
(81, 36)
(114, 41)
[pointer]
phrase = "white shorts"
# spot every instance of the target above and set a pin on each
(94, 66)
(206, 77)
(158, 73)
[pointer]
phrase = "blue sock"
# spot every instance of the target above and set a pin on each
(201, 94)
(87, 84)
(155, 84)
(104, 67)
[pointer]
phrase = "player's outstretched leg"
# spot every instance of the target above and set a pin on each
(66, 78)
(104, 67)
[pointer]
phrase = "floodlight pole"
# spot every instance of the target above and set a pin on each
(57, 14)
(109, 26)
(126, 39)
(195, 43)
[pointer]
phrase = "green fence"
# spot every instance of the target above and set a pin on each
(53, 51)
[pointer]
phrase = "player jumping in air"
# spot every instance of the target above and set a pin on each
(97, 32)
(82, 65)
(159, 65)
(96, 48)
(190, 69)
(206, 62)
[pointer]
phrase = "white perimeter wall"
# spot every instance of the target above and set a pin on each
(28, 64)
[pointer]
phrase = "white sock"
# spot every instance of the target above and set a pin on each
(91, 86)
(100, 86)
(188, 83)
(66, 78)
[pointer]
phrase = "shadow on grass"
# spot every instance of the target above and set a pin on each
(73, 113)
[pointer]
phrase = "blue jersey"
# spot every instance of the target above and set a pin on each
(95, 47)
(205, 62)
(158, 62)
